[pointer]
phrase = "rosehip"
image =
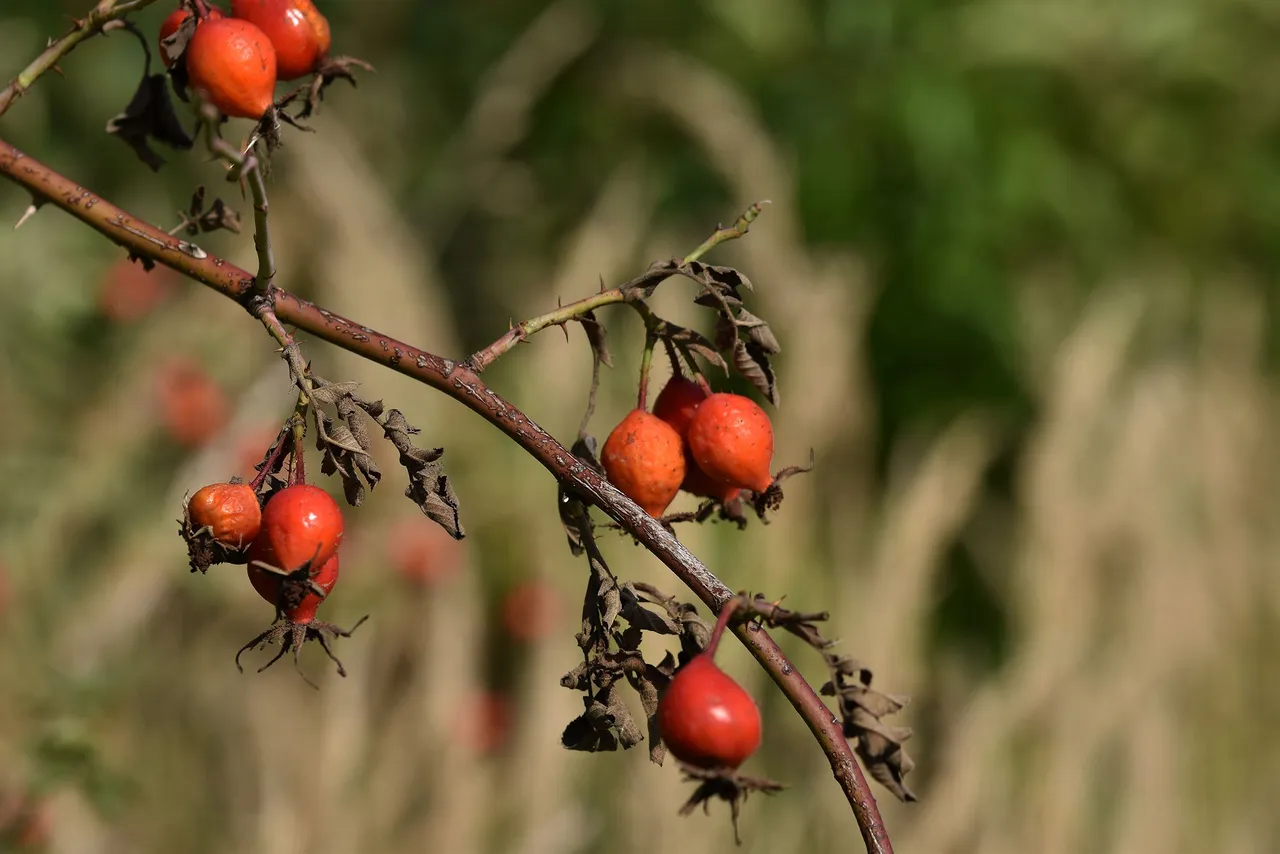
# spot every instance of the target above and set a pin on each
(128, 291)
(678, 401)
(233, 63)
(296, 28)
(484, 722)
(192, 406)
(676, 405)
(644, 457)
(732, 441)
(706, 719)
(296, 602)
(422, 553)
(530, 611)
(299, 524)
(230, 510)
(175, 20)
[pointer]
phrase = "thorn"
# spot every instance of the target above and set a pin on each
(27, 214)
(58, 71)
(601, 283)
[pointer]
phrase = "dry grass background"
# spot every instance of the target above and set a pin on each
(1138, 561)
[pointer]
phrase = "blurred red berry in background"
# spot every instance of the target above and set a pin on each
(422, 553)
(192, 407)
(531, 611)
(484, 722)
(128, 292)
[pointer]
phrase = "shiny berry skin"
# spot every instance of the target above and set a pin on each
(230, 510)
(233, 63)
(299, 524)
(175, 20)
(707, 719)
(644, 457)
(731, 440)
(298, 604)
(676, 405)
(296, 28)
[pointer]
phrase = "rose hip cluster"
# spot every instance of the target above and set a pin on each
(709, 445)
(290, 545)
(236, 61)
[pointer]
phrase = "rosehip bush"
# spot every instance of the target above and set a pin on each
(288, 532)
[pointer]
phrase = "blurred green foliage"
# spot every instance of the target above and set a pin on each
(972, 155)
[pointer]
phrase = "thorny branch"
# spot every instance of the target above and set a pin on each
(580, 308)
(459, 380)
(98, 20)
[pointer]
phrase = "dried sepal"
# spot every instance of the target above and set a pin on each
(724, 785)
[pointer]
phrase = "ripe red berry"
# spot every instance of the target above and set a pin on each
(233, 63)
(732, 441)
(484, 722)
(678, 401)
(422, 553)
(192, 407)
(298, 603)
(175, 20)
(299, 524)
(230, 510)
(530, 611)
(676, 404)
(644, 457)
(706, 719)
(296, 28)
(129, 292)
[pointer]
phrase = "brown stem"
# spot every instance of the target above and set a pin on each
(726, 613)
(463, 384)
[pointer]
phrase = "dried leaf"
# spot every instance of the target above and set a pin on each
(752, 362)
(689, 340)
(644, 619)
(150, 115)
(429, 487)
(758, 331)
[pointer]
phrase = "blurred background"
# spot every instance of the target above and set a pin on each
(1020, 257)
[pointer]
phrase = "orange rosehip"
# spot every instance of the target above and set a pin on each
(644, 457)
(732, 441)
(234, 64)
(229, 510)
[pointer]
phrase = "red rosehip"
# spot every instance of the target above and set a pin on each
(484, 722)
(530, 611)
(705, 718)
(229, 510)
(676, 404)
(299, 33)
(233, 63)
(192, 406)
(644, 457)
(129, 292)
(422, 552)
(300, 523)
(297, 603)
(175, 20)
(732, 441)
(678, 401)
